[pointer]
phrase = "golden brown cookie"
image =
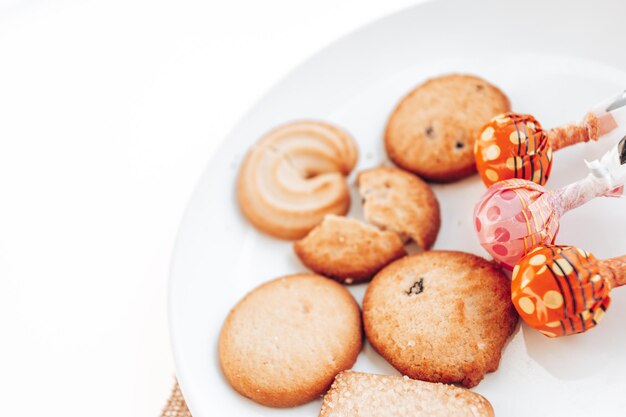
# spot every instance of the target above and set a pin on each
(285, 341)
(440, 316)
(347, 249)
(295, 175)
(369, 395)
(432, 130)
(399, 201)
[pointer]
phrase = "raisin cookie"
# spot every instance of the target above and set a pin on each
(432, 130)
(295, 175)
(440, 316)
(348, 250)
(368, 395)
(399, 201)
(285, 341)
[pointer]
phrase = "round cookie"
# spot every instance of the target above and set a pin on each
(433, 129)
(285, 341)
(440, 316)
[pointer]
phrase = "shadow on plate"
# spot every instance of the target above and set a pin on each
(581, 355)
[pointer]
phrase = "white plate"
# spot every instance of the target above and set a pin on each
(554, 59)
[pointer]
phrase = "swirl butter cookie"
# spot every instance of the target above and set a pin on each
(440, 316)
(432, 130)
(285, 341)
(295, 175)
(400, 202)
(369, 395)
(348, 250)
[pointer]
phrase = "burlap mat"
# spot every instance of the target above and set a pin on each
(176, 406)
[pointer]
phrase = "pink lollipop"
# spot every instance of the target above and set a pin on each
(515, 216)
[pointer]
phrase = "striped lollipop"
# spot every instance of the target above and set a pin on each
(564, 290)
(514, 145)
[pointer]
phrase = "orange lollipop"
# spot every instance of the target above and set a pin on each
(515, 145)
(564, 290)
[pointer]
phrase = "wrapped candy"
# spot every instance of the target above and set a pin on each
(563, 290)
(515, 145)
(515, 216)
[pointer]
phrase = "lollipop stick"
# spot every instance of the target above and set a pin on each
(606, 124)
(614, 270)
(570, 134)
(578, 193)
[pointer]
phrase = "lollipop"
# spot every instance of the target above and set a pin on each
(515, 145)
(515, 216)
(563, 290)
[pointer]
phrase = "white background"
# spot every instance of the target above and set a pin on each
(109, 111)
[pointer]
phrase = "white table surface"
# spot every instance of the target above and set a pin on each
(109, 111)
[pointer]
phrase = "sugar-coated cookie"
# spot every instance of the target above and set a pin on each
(432, 130)
(440, 316)
(295, 175)
(285, 341)
(355, 394)
(348, 250)
(399, 201)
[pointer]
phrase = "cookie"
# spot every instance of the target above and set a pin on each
(295, 175)
(285, 341)
(399, 201)
(347, 249)
(368, 395)
(440, 316)
(432, 130)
